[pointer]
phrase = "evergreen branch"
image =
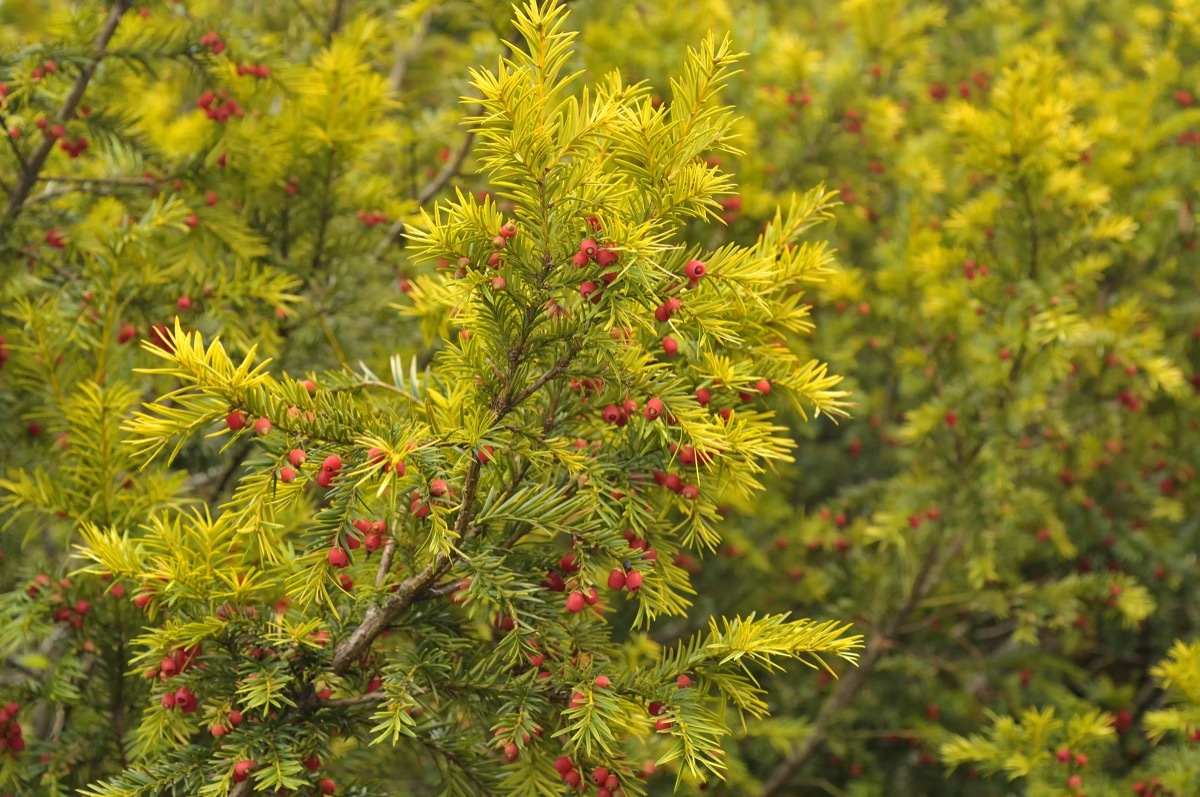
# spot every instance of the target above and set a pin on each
(37, 161)
(849, 686)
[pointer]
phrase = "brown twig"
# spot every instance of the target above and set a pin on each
(405, 54)
(31, 170)
(336, 17)
(431, 188)
(12, 143)
(357, 700)
(385, 562)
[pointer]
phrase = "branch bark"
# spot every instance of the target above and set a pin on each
(33, 167)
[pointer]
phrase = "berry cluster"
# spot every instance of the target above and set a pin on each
(175, 663)
(182, 699)
(254, 70)
(674, 483)
(47, 68)
(603, 255)
(10, 730)
(371, 218)
(73, 148)
(212, 40)
(232, 720)
(71, 614)
(438, 489)
(218, 106)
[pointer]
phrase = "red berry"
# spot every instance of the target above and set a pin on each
(575, 602)
(563, 764)
(511, 752)
(763, 386)
(262, 426)
(327, 786)
(1063, 755)
(683, 682)
(602, 682)
(690, 493)
(599, 775)
(332, 464)
(572, 777)
(185, 701)
(654, 408)
(588, 248)
(297, 457)
(616, 579)
(580, 260)
(1074, 782)
(587, 289)
(670, 346)
(703, 396)
(695, 269)
(337, 557)
(242, 769)
(633, 581)
(235, 718)
(312, 763)
(236, 421)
